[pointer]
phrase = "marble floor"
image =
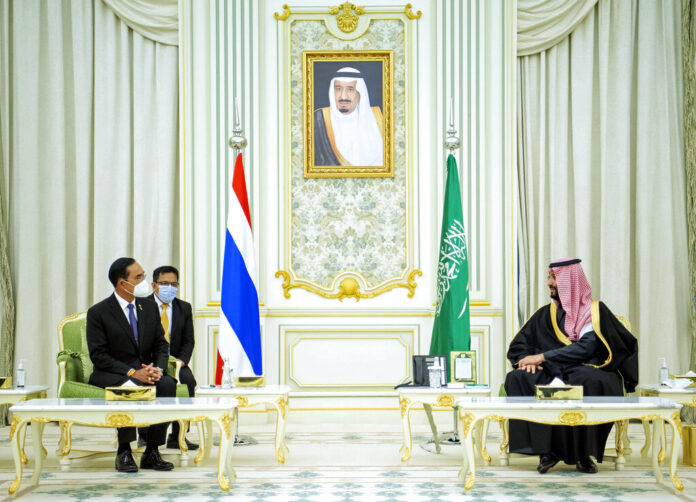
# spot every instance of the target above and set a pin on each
(334, 463)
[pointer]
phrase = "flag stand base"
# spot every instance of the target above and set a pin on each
(244, 440)
(446, 439)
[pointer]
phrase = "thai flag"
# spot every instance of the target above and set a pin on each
(239, 338)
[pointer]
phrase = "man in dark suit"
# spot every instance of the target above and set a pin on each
(126, 342)
(177, 323)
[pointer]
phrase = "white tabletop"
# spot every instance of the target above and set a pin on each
(265, 389)
(99, 404)
(589, 402)
(484, 391)
(29, 389)
(666, 390)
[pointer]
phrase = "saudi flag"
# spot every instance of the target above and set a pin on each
(451, 330)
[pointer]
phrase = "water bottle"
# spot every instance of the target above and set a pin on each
(664, 372)
(435, 375)
(226, 374)
(21, 375)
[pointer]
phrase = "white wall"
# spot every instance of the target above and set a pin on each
(348, 355)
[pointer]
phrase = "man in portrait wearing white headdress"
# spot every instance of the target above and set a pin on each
(349, 131)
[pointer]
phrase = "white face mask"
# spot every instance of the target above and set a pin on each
(141, 290)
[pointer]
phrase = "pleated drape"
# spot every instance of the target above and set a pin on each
(90, 161)
(601, 171)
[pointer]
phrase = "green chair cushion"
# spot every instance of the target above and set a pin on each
(84, 390)
(87, 366)
(81, 390)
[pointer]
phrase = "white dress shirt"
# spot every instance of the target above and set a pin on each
(124, 306)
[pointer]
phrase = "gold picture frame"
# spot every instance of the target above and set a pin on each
(463, 366)
(341, 133)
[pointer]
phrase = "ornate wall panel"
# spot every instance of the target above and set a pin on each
(349, 238)
(349, 227)
(361, 357)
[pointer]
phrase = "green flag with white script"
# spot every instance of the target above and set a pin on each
(451, 330)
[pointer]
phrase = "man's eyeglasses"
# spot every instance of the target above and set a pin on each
(167, 283)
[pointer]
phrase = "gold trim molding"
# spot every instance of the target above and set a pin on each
(409, 13)
(345, 19)
(118, 419)
(572, 417)
(283, 15)
(349, 287)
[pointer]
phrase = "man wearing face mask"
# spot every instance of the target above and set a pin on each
(177, 323)
(126, 344)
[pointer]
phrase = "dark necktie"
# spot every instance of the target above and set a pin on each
(133, 321)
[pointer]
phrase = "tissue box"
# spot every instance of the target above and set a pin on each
(558, 391)
(249, 381)
(129, 393)
(689, 443)
(5, 382)
(687, 377)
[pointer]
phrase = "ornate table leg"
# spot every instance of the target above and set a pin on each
(405, 450)
(504, 455)
(484, 443)
(66, 435)
(281, 447)
(225, 424)
(657, 440)
(466, 433)
(201, 440)
(16, 431)
(648, 438)
(429, 413)
(621, 426)
(208, 439)
(675, 422)
(36, 436)
(183, 448)
(22, 440)
(663, 443)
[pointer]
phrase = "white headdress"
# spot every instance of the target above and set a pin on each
(356, 134)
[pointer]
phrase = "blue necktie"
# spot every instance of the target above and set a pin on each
(133, 321)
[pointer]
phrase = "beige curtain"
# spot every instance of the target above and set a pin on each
(7, 309)
(91, 161)
(689, 69)
(156, 20)
(601, 171)
(541, 24)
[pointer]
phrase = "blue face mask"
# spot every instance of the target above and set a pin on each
(167, 293)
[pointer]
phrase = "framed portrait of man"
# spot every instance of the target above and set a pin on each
(348, 114)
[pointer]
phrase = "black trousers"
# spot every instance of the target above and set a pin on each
(166, 387)
(186, 377)
(570, 444)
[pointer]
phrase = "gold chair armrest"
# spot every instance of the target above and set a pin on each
(61, 375)
(177, 368)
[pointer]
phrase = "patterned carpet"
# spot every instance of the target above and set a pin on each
(335, 466)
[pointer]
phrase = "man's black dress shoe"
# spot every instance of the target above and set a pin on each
(546, 462)
(153, 460)
(586, 465)
(173, 442)
(125, 462)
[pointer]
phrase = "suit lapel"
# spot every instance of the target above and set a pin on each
(121, 320)
(176, 317)
(141, 319)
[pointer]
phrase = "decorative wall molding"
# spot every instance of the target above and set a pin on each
(460, 48)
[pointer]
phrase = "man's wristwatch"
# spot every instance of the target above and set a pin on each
(130, 372)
